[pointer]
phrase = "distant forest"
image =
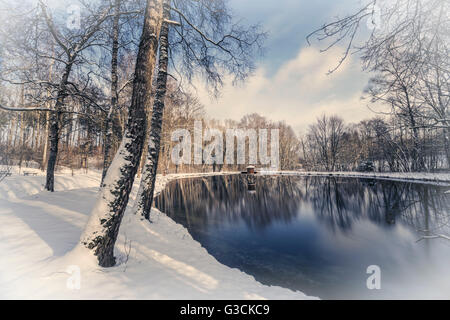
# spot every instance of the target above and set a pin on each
(380, 143)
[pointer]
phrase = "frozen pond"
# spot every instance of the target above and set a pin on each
(319, 235)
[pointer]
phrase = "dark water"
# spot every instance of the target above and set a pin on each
(318, 235)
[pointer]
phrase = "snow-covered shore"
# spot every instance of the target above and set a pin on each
(424, 177)
(159, 260)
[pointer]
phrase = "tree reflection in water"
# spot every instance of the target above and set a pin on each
(311, 233)
(338, 202)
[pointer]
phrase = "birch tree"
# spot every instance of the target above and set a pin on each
(205, 40)
(147, 185)
(114, 90)
(102, 229)
(122, 36)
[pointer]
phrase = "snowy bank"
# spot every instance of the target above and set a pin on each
(158, 260)
(425, 177)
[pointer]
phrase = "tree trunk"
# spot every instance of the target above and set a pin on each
(55, 122)
(147, 185)
(22, 129)
(103, 226)
(36, 131)
(446, 146)
(53, 154)
(22, 139)
(114, 96)
(145, 148)
(417, 158)
(12, 132)
(47, 127)
(44, 152)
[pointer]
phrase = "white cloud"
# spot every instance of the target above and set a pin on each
(298, 92)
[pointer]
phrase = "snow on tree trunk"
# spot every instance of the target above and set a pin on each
(103, 226)
(147, 186)
(114, 79)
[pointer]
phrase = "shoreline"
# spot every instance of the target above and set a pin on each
(415, 177)
(440, 179)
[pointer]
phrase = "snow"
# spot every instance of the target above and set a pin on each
(101, 209)
(41, 257)
(422, 177)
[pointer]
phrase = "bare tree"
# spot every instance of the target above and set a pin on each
(5, 167)
(407, 50)
(114, 90)
(336, 133)
(209, 42)
(68, 52)
(198, 24)
(121, 30)
(147, 185)
(102, 229)
(394, 86)
(289, 147)
(324, 142)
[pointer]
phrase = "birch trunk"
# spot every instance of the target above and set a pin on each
(55, 122)
(44, 152)
(103, 226)
(114, 79)
(447, 146)
(46, 132)
(36, 130)
(147, 185)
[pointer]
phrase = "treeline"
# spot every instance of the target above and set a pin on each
(407, 54)
(378, 144)
(24, 137)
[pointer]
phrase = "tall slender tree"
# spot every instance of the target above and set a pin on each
(147, 185)
(103, 226)
(107, 158)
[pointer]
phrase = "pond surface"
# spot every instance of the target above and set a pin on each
(319, 235)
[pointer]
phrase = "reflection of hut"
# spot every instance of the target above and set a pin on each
(252, 188)
(251, 183)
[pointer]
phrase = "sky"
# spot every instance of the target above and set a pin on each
(291, 81)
